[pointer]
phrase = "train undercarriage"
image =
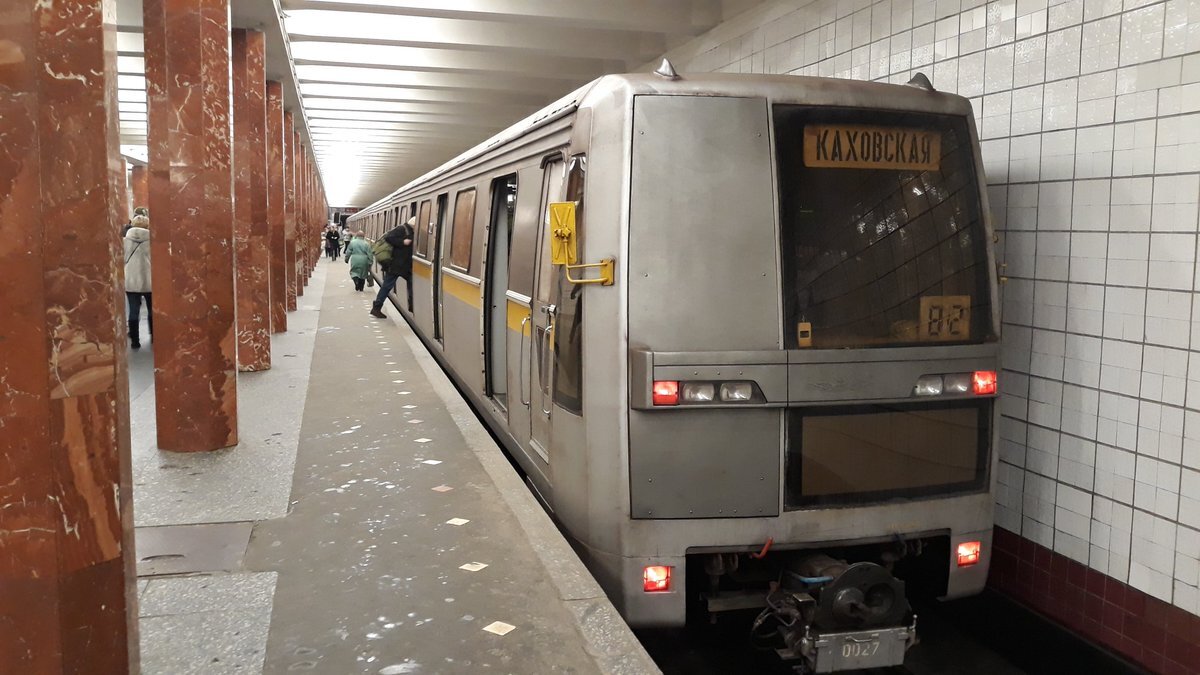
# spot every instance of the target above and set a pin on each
(824, 610)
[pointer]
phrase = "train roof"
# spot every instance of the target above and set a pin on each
(799, 89)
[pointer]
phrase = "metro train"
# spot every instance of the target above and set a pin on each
(741, 333)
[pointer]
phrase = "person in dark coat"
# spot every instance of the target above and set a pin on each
(394, 251)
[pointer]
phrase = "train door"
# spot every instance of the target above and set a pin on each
(435, 235)
(422, 275)
(542, 316)
(495, 339)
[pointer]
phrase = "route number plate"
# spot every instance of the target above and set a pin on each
(944, 318)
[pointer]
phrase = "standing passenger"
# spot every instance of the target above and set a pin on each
(333, 242)
(358, 254)
(137, 277)
(394, 252)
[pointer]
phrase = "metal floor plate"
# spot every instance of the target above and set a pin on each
(188, 549)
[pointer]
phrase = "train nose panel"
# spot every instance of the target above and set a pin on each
(716, 463)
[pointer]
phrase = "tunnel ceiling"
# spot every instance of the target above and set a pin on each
(392, 88)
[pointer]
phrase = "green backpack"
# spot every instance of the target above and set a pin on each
(382, 252)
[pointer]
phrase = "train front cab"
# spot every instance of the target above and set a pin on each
(812, 341)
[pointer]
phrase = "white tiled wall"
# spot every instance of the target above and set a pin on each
(1089, 115)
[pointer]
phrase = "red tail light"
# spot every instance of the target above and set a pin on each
(656, 579)
(968, 553)
(983, 382)
(666, 392)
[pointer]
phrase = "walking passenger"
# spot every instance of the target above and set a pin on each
(358, 254)
(347, 237)
(394, 253)
(137, 277)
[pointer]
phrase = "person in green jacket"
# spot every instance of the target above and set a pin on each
(358, 254)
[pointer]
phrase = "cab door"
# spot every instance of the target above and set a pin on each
(542, 316)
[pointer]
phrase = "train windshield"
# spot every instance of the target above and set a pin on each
(882, 230)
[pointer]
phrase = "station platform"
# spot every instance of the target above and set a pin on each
(366, 523)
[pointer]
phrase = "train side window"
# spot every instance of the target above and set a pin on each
(464, 230)
(551, 185)
(568, 325)
(422, 242)
(523, 239)
(403, 214)
(437, 228)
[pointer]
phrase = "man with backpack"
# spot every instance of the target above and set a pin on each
(393, 251)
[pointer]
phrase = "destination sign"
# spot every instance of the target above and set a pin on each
(839, 146)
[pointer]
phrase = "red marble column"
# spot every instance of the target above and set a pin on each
(68, 599)
(139, 186)
(275, 207)
(191, 216)
(289, 206)
(301, 221)
(301, 224)
(251, 232)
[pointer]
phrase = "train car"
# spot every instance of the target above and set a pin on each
(741, 334)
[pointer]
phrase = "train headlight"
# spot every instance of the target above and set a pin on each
(656, 579)
(928, 385)
(968, 553)
(666, 392)
(984, 382)
(958, 383)
(698, 392)
(736, 392)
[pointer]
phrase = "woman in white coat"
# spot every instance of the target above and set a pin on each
(137, 277)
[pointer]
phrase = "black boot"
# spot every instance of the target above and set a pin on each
(377, 311)
(134, 339)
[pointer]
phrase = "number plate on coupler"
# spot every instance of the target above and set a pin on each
(850, 650)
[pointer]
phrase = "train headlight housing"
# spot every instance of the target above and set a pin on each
(737, 392)
(978, 383)
(698, 392)
(928, 385)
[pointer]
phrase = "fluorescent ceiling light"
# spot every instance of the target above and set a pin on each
(365, 26)
(129, 42)
(131, 64)
(131, 82)
(389, 93)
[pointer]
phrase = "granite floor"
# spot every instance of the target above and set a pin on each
(201, 611)
(366, 524)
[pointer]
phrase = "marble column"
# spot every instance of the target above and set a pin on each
(308, 220)
(251, 233)
(275, 207)
(191, 216)
(68, 600)
(139, 186)
(301, 222)
(289, 208)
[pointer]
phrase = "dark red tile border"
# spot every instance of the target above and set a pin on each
(1143, 629)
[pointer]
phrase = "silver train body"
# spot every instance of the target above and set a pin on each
(685, 184)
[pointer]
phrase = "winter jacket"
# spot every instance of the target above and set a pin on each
(400, 263)
(137, 260)
(360, 258)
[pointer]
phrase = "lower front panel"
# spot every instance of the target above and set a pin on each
(705, 463)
